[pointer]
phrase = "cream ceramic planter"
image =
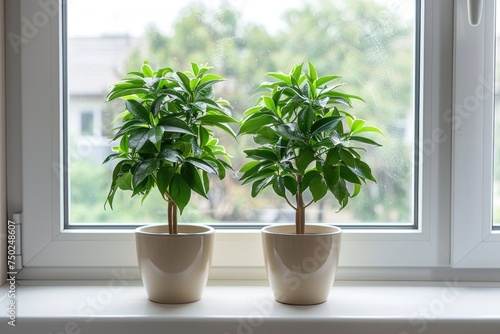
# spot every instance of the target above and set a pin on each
(174, 268)
(301, 267)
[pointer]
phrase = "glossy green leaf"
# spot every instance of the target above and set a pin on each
(357, 125)
(195, 68)
(124, 144)
(364, 140)
(312, 71)
(146, 70)
(357, 189)
(210, 119)
(304, 159)
(124, 182)
(291, 184)
(206, 182)
(163, 178)
(144, 169)
(180, 192)
(289, 131)
(126, 92)
(192, 177)
(265, 136)
(331, 174)
(341, 194)
(169, 154)
(318, 188)
(348, 175)
(323, 80)
(155, 136)
(296, 72)
(254, 124)
(207, 86)
(112, 157)
(156, 105)
(182, 80)
(261, 174)
(363, 170)
(332, 157)
(194, 83)
(262, 154)
(211, 77)
(370, 129)
(347, 157)
(138, 110)
(305, 119)
(269, 103)
(138, 139)
(258, 186)
(249, 165)
(175, 125)
(325, 124)
(201, 164)
(308, 177)
(279, 186)
(280, 76)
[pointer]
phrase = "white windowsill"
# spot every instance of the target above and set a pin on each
(122, 307)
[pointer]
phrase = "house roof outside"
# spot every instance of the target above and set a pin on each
(95, 63)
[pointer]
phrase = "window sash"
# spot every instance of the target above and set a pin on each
(237, 253)
(474, 240)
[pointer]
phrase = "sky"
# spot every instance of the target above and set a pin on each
(93, 17)
(119, 17)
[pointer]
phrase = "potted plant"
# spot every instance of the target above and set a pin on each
(307, 148)
(166, 141)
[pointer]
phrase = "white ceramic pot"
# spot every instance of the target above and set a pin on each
(301, 267)
(174, 268)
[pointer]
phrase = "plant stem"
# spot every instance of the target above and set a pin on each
(300, 211)
(169, 217)
(174, 219)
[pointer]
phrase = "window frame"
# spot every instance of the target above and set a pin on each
(365, 253)
(3, 178)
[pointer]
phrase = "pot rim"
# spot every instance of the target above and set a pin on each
(141, 230)
(334, 230)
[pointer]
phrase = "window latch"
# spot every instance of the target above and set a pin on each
(475, 8)
(15, 255)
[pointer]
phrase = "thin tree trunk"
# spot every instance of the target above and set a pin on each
(174, 219)
(170, 217)
(300, 219)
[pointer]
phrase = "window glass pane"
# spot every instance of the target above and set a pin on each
(371, 43)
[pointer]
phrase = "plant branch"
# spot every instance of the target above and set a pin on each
(300, 212)
(174, 219)
(311, 202)
(169, 217)
(289, 203)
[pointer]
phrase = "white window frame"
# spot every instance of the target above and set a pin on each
(3, 179)
(474, 241)
(50, 251)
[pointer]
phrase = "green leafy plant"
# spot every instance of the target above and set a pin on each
(166, 137)
(307, 142)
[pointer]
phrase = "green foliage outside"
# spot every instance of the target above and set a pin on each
(369, 45)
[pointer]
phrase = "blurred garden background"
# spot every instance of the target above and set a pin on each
(370, 43)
